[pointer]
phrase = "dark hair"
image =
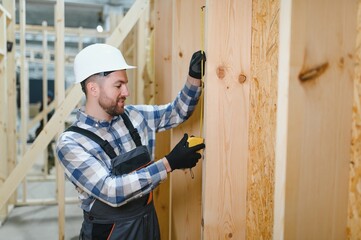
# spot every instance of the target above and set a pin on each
(101, 74)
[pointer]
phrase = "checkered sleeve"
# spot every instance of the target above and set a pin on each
(92, 175)
(163, 117)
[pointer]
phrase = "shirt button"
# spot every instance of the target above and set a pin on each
(96, 125)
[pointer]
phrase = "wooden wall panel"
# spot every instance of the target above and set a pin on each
(163, 86)
(227, 87)
(262, 120)
(317, 41)
(186, 193)
(354, 209)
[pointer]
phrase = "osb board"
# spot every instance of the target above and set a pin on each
(263, 102)
(354, 203)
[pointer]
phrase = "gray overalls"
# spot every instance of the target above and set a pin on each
(136, 219)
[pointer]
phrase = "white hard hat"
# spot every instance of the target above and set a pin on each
(97, 58)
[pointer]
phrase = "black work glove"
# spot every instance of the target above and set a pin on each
(183, 156)
(195, 64)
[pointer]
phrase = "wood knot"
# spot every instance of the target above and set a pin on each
(242, 78)
(313, 72)
(221, 72)
(180, 54)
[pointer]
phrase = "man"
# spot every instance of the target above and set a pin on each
(115, 184)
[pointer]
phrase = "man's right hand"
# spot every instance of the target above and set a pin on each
(182, 156)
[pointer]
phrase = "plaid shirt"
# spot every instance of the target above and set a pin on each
(88, 166)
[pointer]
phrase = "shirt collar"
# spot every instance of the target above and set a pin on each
(91, 121)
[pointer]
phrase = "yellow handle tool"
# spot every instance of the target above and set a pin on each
(193, 141)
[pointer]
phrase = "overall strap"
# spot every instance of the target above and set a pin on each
(104, 144)
(133, 131)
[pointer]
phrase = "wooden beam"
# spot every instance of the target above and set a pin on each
(316, 66)
(59, 86)
(48, 133)
(24, 81)
(163, 73)
(142, 34)
(38, 29)
(127, 23)
(186, 193)
(11, 95)
(227, 83)
(3, 103)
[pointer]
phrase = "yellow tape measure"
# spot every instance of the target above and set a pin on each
(193, 141)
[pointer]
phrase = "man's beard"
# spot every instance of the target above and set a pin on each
(111, 108)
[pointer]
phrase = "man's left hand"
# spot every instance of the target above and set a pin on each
(195, 67)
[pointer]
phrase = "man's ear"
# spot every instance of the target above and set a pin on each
(93, 88)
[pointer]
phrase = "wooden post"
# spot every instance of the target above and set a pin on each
(316, 66)
(11, 95)
(163, 86)
(142, 34)
(228, 48)
(4, 20)
(186, 193)
(24, 87)
(45, 87)
(59, 98)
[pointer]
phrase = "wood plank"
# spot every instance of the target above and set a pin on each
(5, 12)
(163, 86)
(11, 95)
(38, 29)
(185, 192)
(262, 120)
(228, 48)
(142, 35)
(354, 202)
(59, 86)
(317, 41)
(40, 143)
(127, 22)
(3, 106)
(24, 81)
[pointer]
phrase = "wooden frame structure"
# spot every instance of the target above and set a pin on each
(10, 181)
(259, 65)
(6, 73)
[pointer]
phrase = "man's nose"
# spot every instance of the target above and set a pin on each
(124, 91)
